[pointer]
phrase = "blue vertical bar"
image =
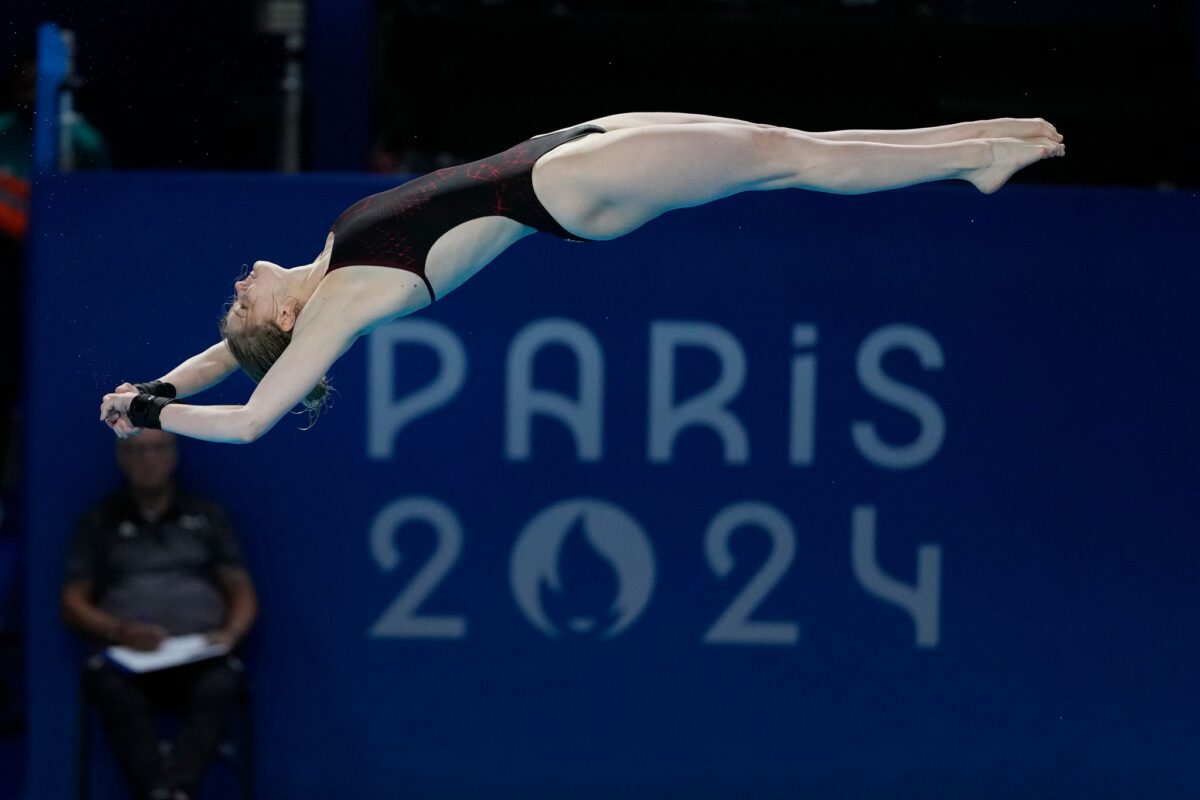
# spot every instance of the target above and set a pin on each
(45, 737)
(51, 70)
(340, 83)
(45, 741)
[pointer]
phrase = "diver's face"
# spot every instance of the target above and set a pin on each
(257, 295)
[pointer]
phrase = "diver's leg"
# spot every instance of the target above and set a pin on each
(1005, 127)
(640, 119)
(606, 185)
(945, 134)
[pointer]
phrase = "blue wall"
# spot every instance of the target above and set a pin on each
(465, 599)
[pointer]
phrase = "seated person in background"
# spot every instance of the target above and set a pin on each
(147, 563)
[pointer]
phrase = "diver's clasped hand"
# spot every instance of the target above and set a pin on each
(114, 411)
(135, 406)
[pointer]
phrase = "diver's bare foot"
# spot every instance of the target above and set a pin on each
(1013, 128)
(1010, 155)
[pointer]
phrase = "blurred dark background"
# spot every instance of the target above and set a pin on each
(405, 85)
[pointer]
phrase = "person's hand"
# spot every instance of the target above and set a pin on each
(123, 427)
(141, 636)
(224, 637)
(114, 412)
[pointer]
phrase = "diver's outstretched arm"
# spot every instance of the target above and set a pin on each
(287, 382)
(198, 373)
(201, 371)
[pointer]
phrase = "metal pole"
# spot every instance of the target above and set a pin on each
(52, 70)
(66, 107)
(290, 146)
(286, 18)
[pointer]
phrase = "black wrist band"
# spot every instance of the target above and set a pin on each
(145, 409)
(156, 388)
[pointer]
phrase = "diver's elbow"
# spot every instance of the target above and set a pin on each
(250, 427)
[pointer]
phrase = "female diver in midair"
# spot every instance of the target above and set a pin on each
(393, 253)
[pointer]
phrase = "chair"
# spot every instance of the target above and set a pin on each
(235, 745)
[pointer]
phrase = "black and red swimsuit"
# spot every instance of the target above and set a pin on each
(397, 228)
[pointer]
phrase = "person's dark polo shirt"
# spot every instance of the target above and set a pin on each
(163, 573)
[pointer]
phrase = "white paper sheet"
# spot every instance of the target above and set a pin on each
(173, 652)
